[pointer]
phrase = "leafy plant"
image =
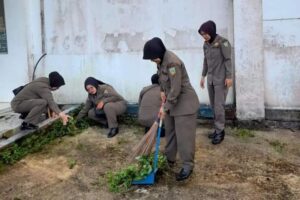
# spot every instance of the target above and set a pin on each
(120, 181)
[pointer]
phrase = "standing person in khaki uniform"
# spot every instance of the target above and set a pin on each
(36, 97)
(180, 108)
(149, 104)
(103, 103)
(218, 68)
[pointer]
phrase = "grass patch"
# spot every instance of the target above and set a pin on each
(277, 145)
(71, 163)
(243, 133)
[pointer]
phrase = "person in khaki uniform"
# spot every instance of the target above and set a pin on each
(218, 69)
(36, 97)
(180, 108)
(149, 104)
(103, 104)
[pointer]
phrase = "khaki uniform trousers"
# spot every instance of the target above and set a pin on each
(34, 107)
(217, 97)
(180, 136)
(109, 113)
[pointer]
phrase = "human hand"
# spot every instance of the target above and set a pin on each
(100, 105)
(228, 82)
(163, 97)
(202, 82)
(64, 118)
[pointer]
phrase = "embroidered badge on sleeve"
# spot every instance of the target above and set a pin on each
(225, 44)
(172, 71)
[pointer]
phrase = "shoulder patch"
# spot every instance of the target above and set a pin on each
(172, 71)
(216, 44)
(225, 44)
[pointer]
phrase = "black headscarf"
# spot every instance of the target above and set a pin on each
(210, 28)
(56, 80)
(92, 81)
(153, 49)
(154, 79)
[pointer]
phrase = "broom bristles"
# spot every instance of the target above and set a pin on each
(146, 144)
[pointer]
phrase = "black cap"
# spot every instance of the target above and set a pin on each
(154, 79)
(56, 80)
(153, 49)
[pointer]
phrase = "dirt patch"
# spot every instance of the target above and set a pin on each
(240, 168)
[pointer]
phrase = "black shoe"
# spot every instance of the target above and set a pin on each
(23, 115)
(218, 138)
(183, 175)
(112, 132)
(28, 126)
(212, 135)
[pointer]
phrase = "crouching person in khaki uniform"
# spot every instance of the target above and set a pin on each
(103, 104)
(149, 104)
(180, 108)
(36, 97)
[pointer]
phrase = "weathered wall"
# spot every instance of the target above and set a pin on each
(281, 25)
(14, 64)
(105, 39)
(249, 66)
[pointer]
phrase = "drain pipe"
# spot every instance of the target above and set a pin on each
(33, 74)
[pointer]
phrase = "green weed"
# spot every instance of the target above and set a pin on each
(277, 145)
(243, 133)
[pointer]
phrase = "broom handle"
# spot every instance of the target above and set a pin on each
(157, 145)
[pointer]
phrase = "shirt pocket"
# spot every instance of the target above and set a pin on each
(215, 52)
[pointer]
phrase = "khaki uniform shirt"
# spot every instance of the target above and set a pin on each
(217, 61)
(149, 105)
(174, 81)
(37, 89)
(105, 93)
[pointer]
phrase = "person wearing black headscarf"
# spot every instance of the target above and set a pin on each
(35, 99)
(149, 104)
(180, 105)
(218, 69)
(103, 105)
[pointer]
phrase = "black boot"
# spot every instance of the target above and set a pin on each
(212, 135)
(23, 115)
(112, 132)
(183, 174)
(218, 138)
(28, 126)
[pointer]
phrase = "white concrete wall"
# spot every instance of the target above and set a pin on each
(281, 25)
(14, 65)
(249, 66)
(105, 39)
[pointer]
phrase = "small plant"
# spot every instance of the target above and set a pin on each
(120, 181)
(72, 163)
(277, 145)
(243, 133)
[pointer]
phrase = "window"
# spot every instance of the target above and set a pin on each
(3, 38)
